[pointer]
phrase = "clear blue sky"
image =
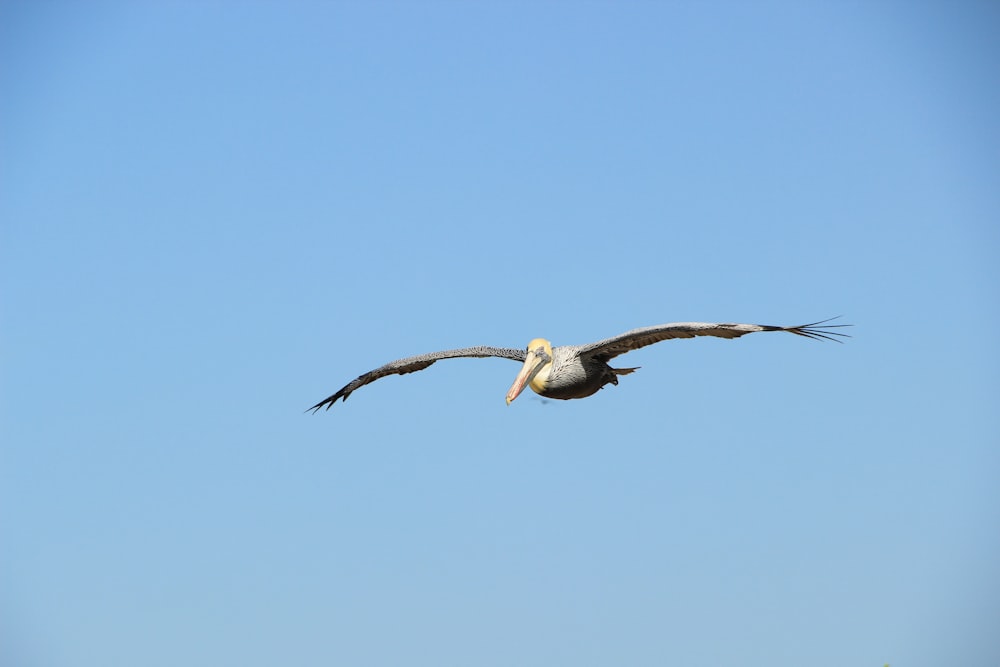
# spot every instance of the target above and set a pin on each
(215, 214)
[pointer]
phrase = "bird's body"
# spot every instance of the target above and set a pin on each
(573, 375)
(577, 371)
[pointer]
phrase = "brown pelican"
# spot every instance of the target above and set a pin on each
(578, 371)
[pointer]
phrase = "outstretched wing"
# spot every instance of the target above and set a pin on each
(418, 363)
(610, 348)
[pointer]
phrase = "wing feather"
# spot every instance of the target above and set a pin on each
(417, 363)
(610, 348)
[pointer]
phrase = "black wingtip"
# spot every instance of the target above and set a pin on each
(328, 402)
(821, 330)
(325, 404)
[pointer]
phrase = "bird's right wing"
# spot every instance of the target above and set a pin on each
(418, 363)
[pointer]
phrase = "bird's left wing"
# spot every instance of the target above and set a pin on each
(417, 363)
(609, 348)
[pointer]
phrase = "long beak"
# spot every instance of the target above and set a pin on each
(532, 364)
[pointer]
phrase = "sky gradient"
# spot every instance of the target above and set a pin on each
(213, 215)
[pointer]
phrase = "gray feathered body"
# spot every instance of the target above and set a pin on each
(575, 375)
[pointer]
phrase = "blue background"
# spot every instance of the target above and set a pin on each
(214, 214)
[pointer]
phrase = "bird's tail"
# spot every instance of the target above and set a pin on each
(625, 371)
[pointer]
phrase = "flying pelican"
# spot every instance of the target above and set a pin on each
(577, 371)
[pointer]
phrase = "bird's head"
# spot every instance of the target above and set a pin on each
(535, 371)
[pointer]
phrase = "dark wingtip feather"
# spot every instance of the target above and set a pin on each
(314, 409)
(328, 402)
(821, 330)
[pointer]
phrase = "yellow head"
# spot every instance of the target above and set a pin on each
(535, 371)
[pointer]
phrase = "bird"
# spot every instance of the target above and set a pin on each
(577, 371)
